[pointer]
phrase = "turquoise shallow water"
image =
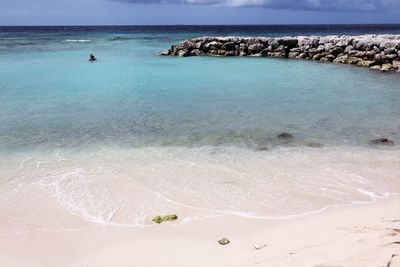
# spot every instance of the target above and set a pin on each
(136, 134)
(52, 97)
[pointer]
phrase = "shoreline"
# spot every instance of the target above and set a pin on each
(377, 52)
(291, 183)
(360, 235)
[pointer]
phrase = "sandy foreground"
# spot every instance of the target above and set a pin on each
(360, 235)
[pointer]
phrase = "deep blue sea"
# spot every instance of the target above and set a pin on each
(184, 134)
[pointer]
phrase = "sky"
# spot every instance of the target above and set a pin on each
(166, 12)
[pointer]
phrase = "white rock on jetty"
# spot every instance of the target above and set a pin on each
(380, 52)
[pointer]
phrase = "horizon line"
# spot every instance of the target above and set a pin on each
(160, 25)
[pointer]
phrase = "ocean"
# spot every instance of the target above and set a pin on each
(135, 134)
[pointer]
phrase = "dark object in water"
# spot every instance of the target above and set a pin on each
(285, 136)
(92, 58)
(262, 148)
(382, 141)
(224, 241)
(315, 145)
(165, 218)
(119, 38)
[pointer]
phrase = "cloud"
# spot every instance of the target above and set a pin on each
(330, 5)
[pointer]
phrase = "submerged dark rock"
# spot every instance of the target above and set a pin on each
(382, 52)
(315, 145)
(382, 141)
(285, 136)
(262, 148)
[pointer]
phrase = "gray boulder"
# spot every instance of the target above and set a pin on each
(183, 53)
(396, 64)
(366, 63)
(196, 52)
(228, 46)
(289, 42)
(387, 67)
(336, 50)
(341, 59)
(319, 56)
(255, 48)
(213, 45)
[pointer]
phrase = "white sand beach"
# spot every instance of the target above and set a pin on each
(361, 235)
(343, 210)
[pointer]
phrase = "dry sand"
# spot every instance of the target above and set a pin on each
(361, 235)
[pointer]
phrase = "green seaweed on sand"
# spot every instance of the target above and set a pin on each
(165, 218)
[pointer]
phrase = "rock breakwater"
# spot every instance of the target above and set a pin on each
(379, 52)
